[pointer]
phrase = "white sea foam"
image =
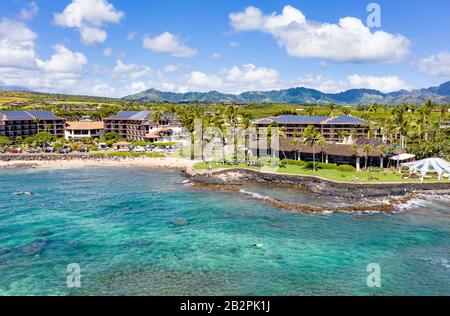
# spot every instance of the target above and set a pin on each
(256, 195)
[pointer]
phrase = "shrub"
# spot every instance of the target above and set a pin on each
(346, 168)
(293, 162)
(327, 166)
(310, 165)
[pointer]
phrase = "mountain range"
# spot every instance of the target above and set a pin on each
(440, 94)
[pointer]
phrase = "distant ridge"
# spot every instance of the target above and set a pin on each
(440, 94)
(13, 88)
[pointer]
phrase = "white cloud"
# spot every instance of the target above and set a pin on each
(234, 44)
(251, 73)
(383, 83)
(63, 61)
(29, 12)
(173, 68)
(169, 44)
(234, 80)
(354, 81)
(348, 41)
(436, 65)
(89, 17)
(107, 52)
(92, 35)
(204, 81)
(216, 55)
(17, 46)
(131, 71)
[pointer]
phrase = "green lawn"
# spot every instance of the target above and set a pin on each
(335, 175)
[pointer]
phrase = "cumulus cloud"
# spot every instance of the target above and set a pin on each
(131, 71)
(436, 65)
(29, 12)
(347, 41)
(382, 83)
(169, 44)
(89, 17)
(17, 46)
(234, 80)
(234, 44)
(63, 61)
(173, 68)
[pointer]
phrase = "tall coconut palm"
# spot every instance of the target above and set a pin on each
(311, 135)
(367, 149)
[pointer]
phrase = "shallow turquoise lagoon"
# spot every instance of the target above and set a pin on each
(144, 232)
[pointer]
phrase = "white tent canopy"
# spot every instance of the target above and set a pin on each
(430, 165)
(403, 157)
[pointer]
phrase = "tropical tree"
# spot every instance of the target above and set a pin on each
(402, 122)
(367, 149)
(5, 141)
(311, 135)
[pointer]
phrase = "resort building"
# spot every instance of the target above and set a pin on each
(134, 125)
(345, 138)
(28, 123)
(84, 129)
(333, 129)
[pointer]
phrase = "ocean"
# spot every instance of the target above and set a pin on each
(135, 231)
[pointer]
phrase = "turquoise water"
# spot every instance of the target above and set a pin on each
(144, 232)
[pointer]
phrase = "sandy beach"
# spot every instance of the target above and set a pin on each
(173, 163)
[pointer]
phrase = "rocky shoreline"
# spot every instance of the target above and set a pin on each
(236, 177)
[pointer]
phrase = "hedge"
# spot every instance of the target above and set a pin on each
(346, 168)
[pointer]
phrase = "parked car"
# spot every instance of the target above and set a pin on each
(139, 149)
(48, 150)
(64, 151)
(150, 147)
(102, 146)
(124, 150)
(84, 150)
(33, 150)
(16, 151)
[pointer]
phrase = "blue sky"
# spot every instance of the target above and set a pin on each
(118, 47)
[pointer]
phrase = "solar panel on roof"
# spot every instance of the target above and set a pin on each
(347, 119)
(124, 114)
(43, 115)
(16, 115)
(300, 119)
(143, 115)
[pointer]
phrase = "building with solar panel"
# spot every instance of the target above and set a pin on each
(332, 128)
(139, 125)
(339, 149)
(29, 123)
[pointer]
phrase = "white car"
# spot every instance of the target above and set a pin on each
(124, 150)
(139, 149)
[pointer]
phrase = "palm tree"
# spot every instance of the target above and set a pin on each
(356, 148)
(367, 149)
(311, 135)
(402, 122)
(321, 142)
